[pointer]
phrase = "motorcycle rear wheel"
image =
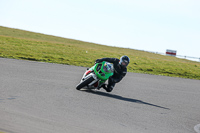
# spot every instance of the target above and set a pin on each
(84, 83)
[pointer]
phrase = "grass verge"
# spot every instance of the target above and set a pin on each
(21, 44)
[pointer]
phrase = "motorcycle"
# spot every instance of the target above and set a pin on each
(96, 76)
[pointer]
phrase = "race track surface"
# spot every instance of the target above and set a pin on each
(38, 97)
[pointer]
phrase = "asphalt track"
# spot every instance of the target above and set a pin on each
(38, 97)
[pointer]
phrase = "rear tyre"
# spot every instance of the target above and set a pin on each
(84, 83)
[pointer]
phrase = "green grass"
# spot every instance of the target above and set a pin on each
(21, 44)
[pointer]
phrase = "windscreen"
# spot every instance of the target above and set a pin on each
(108, 67)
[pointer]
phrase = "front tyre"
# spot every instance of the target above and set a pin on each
(84, 83)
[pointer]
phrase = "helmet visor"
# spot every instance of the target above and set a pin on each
(124, 63)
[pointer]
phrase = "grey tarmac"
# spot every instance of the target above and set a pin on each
(37, 97)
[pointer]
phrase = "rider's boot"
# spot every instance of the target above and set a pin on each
(108, 88)
(103, 85)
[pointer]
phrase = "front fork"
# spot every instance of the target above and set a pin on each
(90, 73)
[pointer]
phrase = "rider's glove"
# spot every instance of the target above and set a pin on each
(98, 60)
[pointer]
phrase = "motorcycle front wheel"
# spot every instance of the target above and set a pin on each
(84, 83)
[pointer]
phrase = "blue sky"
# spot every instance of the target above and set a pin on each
(150, 25)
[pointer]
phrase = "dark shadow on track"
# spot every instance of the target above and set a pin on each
(122, 98)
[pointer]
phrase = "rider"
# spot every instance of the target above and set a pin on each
(120, 70)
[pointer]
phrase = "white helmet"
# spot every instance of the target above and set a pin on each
(124, 61)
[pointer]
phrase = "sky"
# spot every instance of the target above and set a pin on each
(149, 25)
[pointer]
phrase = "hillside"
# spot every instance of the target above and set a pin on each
(20, 44)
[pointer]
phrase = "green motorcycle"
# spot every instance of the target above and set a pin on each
(96, 76)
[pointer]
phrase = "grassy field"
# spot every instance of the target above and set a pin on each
(21, 44)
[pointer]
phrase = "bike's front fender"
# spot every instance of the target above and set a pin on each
(90, 75)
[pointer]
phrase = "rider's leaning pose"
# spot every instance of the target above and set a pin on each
(120, 70)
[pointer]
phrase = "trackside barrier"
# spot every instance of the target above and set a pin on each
(179, 56)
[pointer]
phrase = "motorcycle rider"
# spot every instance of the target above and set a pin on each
(120, 70)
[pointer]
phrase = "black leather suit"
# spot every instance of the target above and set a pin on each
(119, 73)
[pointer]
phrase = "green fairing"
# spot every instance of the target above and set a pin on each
(96, 76)
(98, 68)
